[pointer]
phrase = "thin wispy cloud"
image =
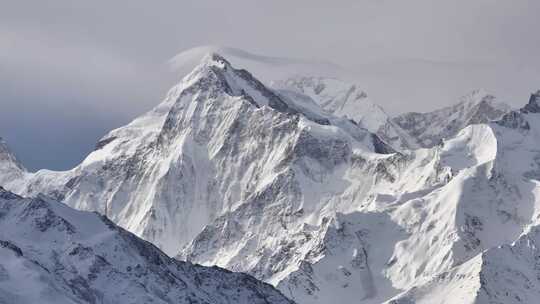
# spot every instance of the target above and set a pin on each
(109, 60)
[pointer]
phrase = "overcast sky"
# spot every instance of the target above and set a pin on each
(72, 70)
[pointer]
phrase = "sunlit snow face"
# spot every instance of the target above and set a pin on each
(67, 65)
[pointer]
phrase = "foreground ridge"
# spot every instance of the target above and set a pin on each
(51, 253)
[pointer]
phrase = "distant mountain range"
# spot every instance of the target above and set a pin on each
(303, 182)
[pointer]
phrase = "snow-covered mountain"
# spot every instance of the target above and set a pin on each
(336, 90)
(404, 132)
(51, 253)
(388, 223)
(506, 274)
(229, 172)
(428, 129)
(265, 68)
(219, 137)
(506, 270)
(346, 99)
(10, 168)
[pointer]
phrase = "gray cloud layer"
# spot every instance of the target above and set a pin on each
(72, 70)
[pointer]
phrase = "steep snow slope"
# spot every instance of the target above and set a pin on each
(383, 224)
(330, 86)
(506, 274)
(219, 137)
(336, 91)
(338, 97)
(10, 167)
(346, 99)
(507, 271)
(226, 171)
(429, 128)
(406, 131)
(51, 253)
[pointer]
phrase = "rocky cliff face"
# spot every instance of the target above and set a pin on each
(51, 253)
(220, 137)
(428, 129)
(385, 223)
(229, 172)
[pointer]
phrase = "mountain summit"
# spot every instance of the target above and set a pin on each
(428, 129)
(277, 183)
(345, 99)
(10, 168)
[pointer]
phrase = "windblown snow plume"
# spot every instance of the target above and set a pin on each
(312, 188)
(428, 129)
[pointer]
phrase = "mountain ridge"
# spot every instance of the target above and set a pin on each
(228, 172)
(201, 119)
(10, 167)
(54, 254)
(430, 128)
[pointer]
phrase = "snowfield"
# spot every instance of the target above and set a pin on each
(308, 185)
(51, 253)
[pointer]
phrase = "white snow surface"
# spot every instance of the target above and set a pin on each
(265, 68)
(218, 137)
(51, 253)
(346, 99)
(229, 172)
(428, 129)
(10, 168)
